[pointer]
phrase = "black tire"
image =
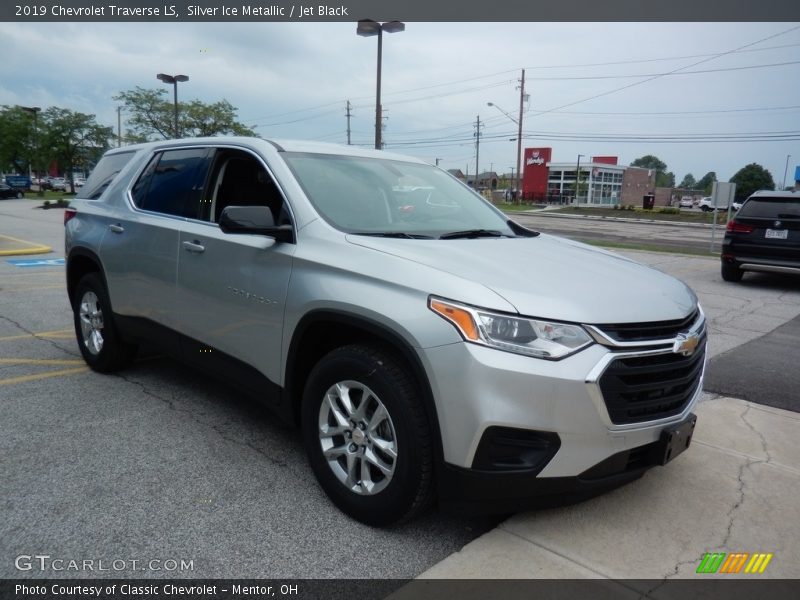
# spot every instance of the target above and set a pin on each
(20, 195)
(731, 272)
(705, 208)
(377, 378)
(98, 339)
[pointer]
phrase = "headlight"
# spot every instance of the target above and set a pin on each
(532, 337)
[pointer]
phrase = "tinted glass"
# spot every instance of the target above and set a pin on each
(170, 185)
(367, 195)
(771, 208)
(103, 174)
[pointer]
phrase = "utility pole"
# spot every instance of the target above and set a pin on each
(519, 133)
(477, 125)
(348, 114)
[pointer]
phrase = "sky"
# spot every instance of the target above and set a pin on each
(700, 96)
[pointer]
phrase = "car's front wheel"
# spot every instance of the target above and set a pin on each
(367, 435)
(98, 339)
(731, 272)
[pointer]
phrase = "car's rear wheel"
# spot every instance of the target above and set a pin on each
(367, 435)
(731, 272)
(98, 339)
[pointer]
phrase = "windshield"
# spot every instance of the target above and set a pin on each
(373, 196)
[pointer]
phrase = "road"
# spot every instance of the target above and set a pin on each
(675, 237)
(161, 462)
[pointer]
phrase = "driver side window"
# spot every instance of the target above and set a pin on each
(239, 179)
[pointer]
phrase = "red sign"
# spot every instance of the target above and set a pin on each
(606, 160)
(534, 177)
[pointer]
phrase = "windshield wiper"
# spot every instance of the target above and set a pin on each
(395, 234)
(472, 233)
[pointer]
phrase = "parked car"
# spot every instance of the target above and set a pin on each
(6, 191)
(686, 202)
(58, 184)
(393, 314)
(707, 204)
(763, 236)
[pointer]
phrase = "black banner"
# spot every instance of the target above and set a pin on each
(710, 587)
(406, 10)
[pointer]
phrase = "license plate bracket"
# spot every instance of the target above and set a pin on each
(675, 439)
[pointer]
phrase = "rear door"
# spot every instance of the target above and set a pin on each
(140, 250)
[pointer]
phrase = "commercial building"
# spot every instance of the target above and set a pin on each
(599, 181)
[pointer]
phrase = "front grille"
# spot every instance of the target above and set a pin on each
(646, 388)
(635, 332)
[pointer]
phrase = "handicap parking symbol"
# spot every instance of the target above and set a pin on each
(36, 262)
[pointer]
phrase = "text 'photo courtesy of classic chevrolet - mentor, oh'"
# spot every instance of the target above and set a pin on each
(430, 349)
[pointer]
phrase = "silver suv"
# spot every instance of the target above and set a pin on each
(428, 347)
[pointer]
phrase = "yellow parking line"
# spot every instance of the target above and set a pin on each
(41, 361)
(24, 378)
(31, 248)
(59, 333)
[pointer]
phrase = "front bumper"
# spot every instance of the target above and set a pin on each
(479, 389)
(474, 491)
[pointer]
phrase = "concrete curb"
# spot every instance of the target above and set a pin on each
(10, 246)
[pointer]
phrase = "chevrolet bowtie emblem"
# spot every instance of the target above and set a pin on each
(686, 344)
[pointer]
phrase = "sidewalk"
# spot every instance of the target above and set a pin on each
(734, 490)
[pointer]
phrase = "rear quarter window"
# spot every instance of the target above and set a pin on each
(103, 174)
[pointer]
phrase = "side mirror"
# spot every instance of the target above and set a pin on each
(255, 220)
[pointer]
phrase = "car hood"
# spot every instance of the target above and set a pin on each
(549, 277)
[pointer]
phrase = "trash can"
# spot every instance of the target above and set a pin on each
(648, 201)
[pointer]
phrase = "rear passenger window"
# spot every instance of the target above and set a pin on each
(172, 183)
(103, 174)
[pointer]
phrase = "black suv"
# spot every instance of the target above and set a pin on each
(763, 236)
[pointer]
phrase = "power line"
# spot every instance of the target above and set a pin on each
(625, 87)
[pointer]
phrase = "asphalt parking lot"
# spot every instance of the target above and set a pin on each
(161, 463)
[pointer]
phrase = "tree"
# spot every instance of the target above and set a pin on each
(752, 178)
(152, 116)
(17, 139)
(663, 177)
(688, 182)
(73, 139)
(707, 182)
(649, 161)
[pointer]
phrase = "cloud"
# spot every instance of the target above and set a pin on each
(293, 80)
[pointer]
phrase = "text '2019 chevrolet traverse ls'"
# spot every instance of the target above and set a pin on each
(427, 346)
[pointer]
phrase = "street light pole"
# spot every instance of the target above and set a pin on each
(519, 132)
(368, 28)
(519, 135)
(785, 170)
(174, 80)
(34, 110)
(578, 178)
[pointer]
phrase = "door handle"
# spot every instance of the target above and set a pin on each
(116, 228)
(194, 246)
